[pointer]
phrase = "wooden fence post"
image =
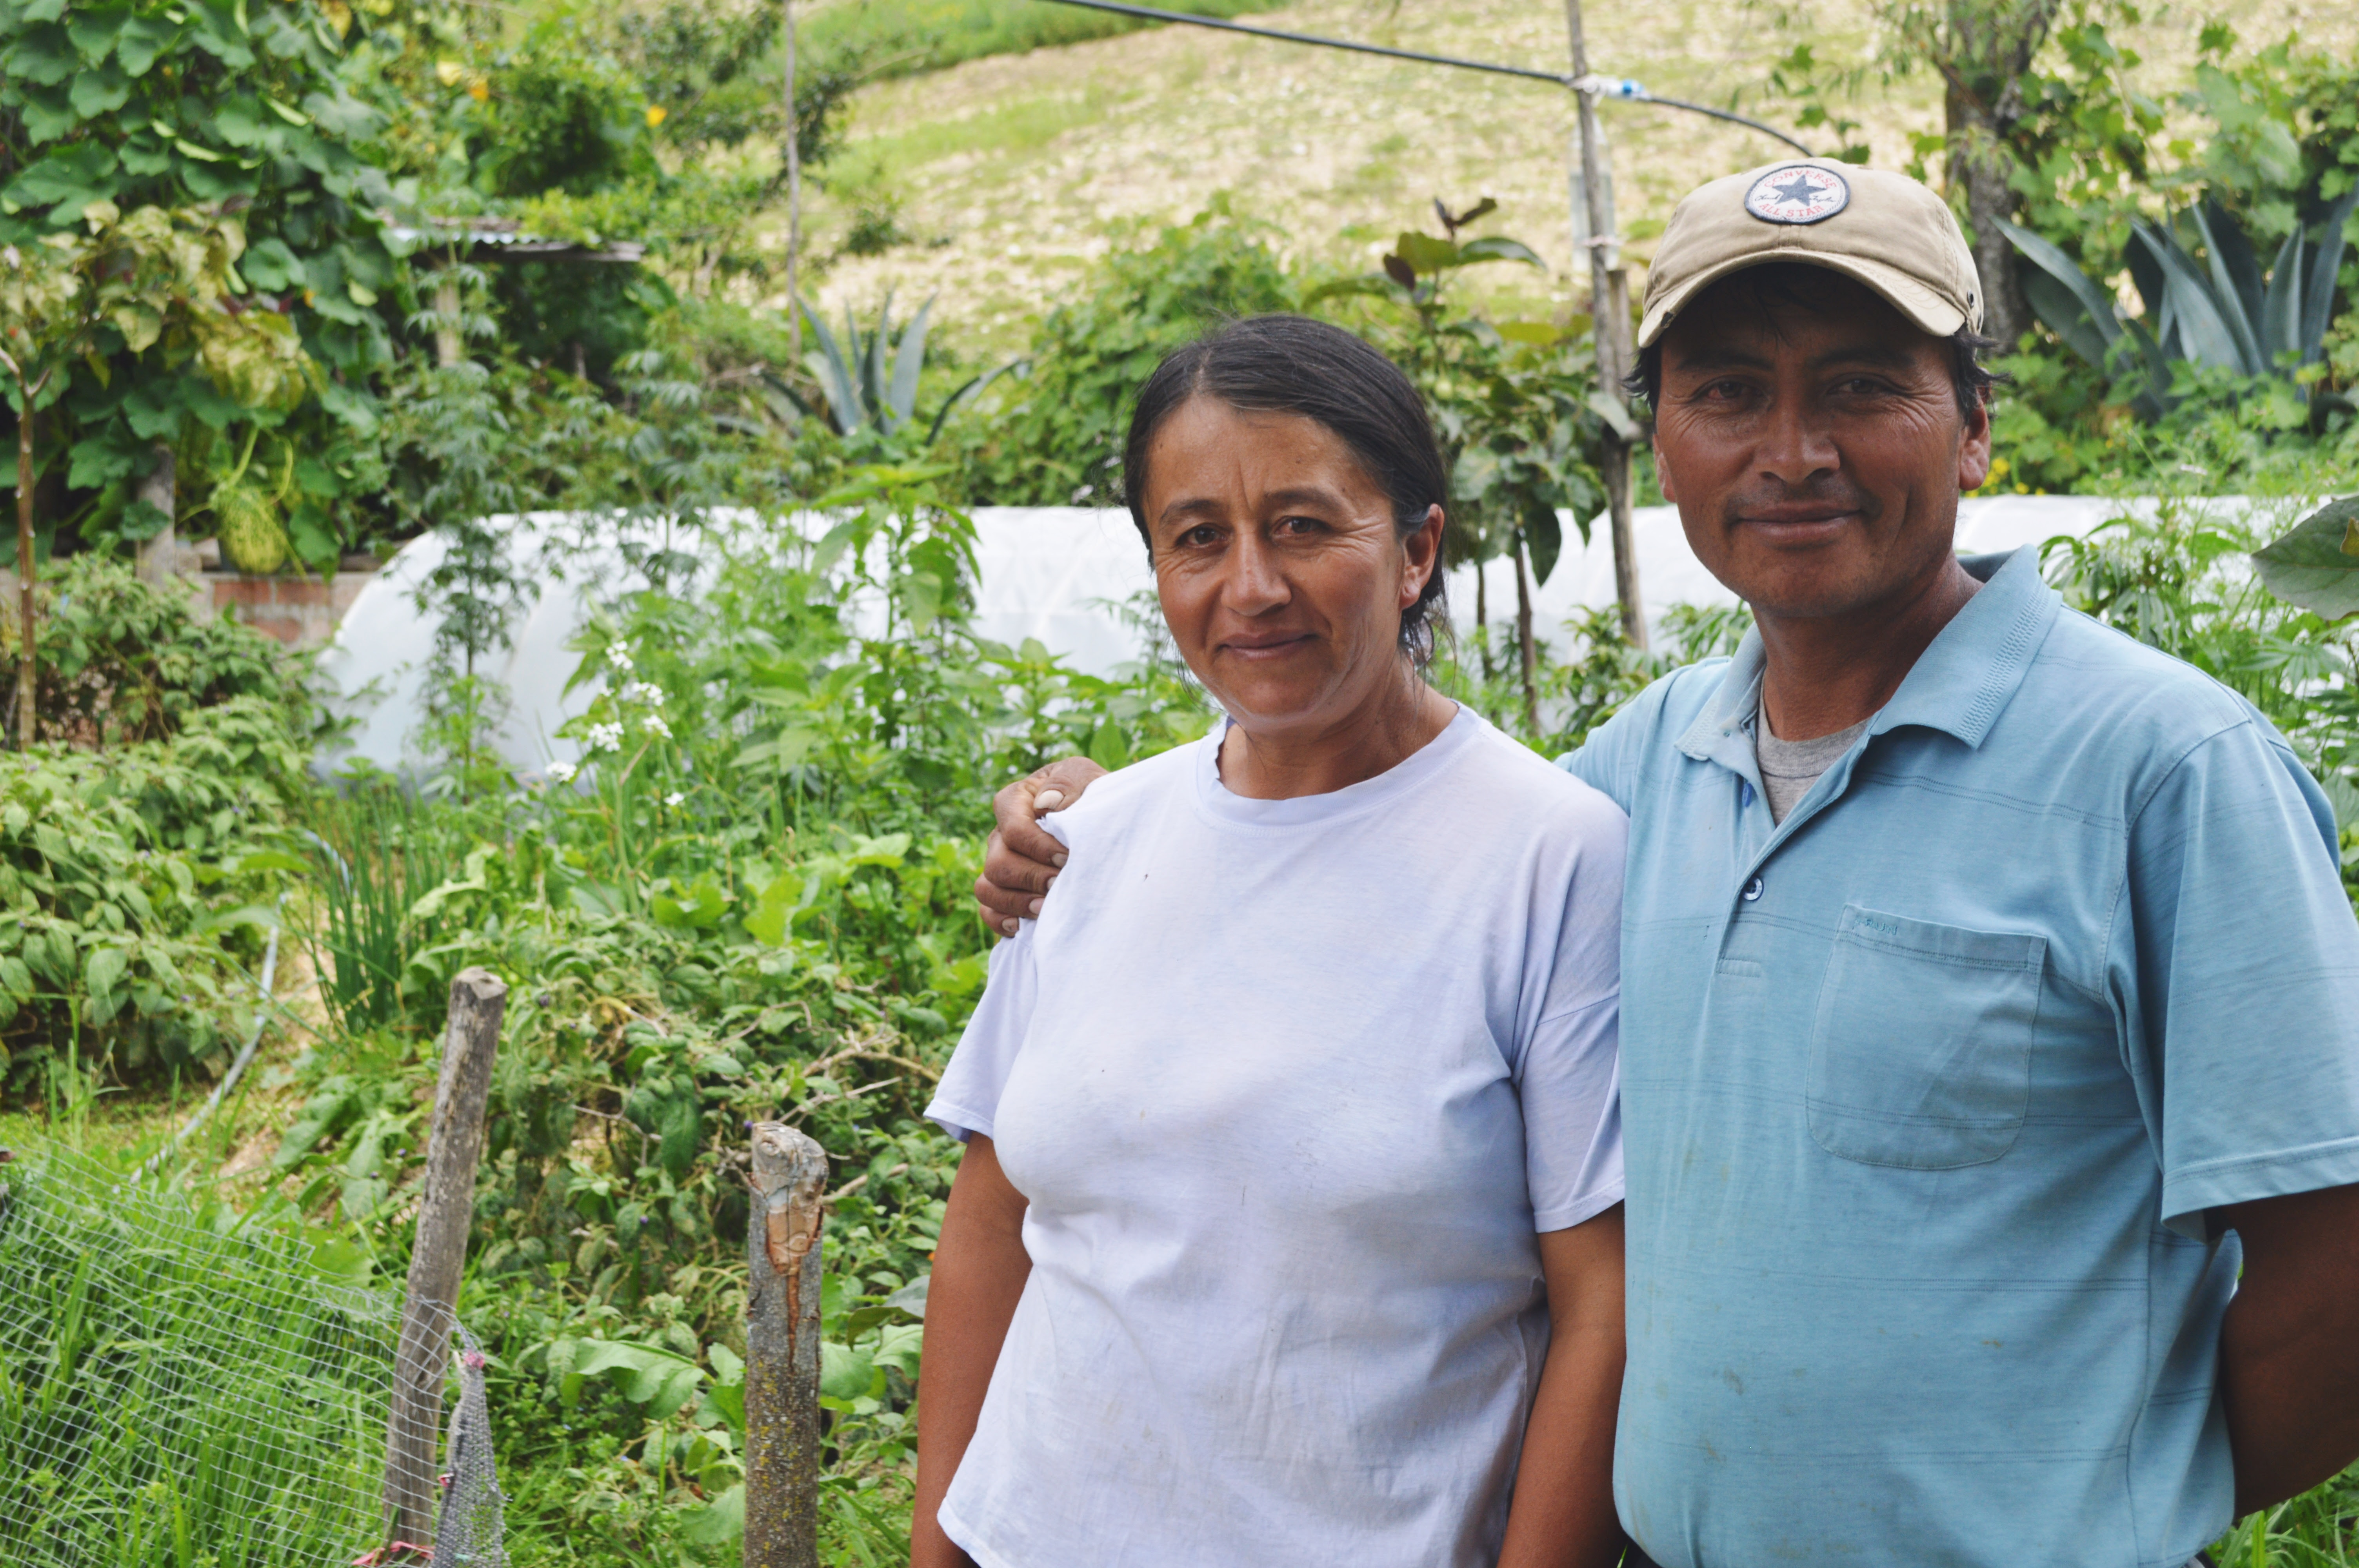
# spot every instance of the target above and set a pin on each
(454, 1147)
(782, 1429)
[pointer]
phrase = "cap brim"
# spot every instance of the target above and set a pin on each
(1926, 309)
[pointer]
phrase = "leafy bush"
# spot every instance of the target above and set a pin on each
(123, 660)
(205, 105)
(181, 1382)
(131, 886)
(750, 903)
(1051, 436)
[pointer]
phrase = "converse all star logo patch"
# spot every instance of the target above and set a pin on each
(1798, 194)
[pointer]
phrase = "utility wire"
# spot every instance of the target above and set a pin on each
(1625, 91)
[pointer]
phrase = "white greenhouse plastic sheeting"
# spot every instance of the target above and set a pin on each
(1059, 574)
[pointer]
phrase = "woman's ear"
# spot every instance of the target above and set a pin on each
(1423, 557)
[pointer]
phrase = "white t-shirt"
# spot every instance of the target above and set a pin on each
(1289, 1085)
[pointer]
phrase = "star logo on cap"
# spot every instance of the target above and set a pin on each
(1798, 194)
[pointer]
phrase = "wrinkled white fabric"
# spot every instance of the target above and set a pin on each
(1290, 1086)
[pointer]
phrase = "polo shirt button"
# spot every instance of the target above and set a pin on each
(1753, 890)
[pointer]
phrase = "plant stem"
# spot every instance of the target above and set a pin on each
(1524, 642)
(794, 200)
(25, 655)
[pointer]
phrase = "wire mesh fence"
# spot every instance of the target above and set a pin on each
(184, 1385)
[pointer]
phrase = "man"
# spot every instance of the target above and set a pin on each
(1990, 996)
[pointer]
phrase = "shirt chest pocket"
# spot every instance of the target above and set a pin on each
(1920, 1053)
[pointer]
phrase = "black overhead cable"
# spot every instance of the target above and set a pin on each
(1627, 92)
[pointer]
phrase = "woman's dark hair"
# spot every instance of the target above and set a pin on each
(1291, 364)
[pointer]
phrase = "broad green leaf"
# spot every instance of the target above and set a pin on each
(772, 906)
(1426, 254)
(94, 28)
(80, 171)
(1497, 247)
(898, 1345)
(911, 1298)
(2074, 306)
(268, 263)
(718, 1522)
(2204, 335)
(1545, 537)
(238, 121)
(45, 55)
(889, 850)
(97, 462)
(48, 114)
(844, 1373)
(2315, 563)
(2318, 293)
(141, 155)
(1372, 282)
(1615, 412)
(143, 38)
(104, 969)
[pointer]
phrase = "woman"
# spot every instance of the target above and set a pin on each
(1288, 1226)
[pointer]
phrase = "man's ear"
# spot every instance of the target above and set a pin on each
(1662, 469)
(1973, 448)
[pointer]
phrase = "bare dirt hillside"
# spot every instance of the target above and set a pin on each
(1012, 172)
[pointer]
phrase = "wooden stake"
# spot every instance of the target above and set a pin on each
(1609, 295)
(454, 1147)
(782, 1361)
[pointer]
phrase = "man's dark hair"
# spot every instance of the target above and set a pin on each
(1291, 364)
(1798, 286)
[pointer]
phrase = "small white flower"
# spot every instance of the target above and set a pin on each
(674, 798)
(605, 737)
(562, 772)
(655, 726)
(643, 691)
(620, 657)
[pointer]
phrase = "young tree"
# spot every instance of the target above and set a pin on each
(156, 284)
(1982, 49)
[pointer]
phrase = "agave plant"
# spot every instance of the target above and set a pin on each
(2219, 311)
(870, 380)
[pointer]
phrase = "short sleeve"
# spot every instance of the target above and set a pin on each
(967, 1100)
(1612, 760)
(1605, 761)
(2236, 968)
(1568, 1074)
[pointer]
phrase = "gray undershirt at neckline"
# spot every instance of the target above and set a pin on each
(1788, 768)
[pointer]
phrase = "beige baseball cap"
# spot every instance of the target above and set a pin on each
(1886, 230)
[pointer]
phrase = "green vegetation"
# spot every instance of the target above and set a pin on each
(909, 35)
(186, 1382)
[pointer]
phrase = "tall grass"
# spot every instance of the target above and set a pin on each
(180, 1386)
(377, 851)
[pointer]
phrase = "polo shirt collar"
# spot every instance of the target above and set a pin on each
(1959, 685)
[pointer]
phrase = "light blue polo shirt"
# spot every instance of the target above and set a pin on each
(1927, 1090)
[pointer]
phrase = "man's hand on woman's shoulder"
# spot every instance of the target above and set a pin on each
(1021, 858)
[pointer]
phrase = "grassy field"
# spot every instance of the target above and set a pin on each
(1013, 170)
(904, 37)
